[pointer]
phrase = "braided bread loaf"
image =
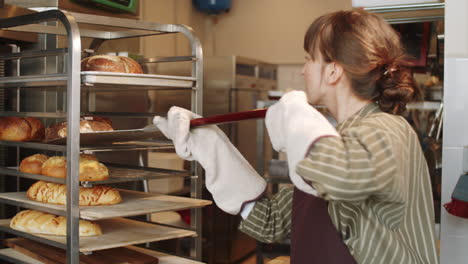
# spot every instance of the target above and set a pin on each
(54, 193)
(32, 221)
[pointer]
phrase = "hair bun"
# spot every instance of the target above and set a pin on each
(389, 70)
(396, 88)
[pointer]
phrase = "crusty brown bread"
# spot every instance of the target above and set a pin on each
(33, 164)
(110, 63)
(87, 124)
(32, 221)
(21, 129)
(90, 170)
(54, 193)
(88, 157)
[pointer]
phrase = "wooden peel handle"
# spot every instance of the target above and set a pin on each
(228, 118)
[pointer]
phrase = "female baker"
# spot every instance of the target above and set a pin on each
(362, 191)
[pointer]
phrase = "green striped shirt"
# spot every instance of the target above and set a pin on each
(377, 183)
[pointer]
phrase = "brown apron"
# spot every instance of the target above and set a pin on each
(314, 238)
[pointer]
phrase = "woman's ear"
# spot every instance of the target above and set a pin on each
(334, 72)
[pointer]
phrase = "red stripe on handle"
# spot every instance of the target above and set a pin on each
(228, 118)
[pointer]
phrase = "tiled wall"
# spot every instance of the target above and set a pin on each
(454, 230)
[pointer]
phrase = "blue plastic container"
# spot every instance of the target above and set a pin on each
(212, 7)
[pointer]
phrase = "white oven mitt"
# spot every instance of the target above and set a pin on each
(293, 126)
(228, 176)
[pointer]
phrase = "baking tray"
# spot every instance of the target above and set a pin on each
(133, 203)
(116, 232)
(134, 79)
(106, 137)
(151, 131)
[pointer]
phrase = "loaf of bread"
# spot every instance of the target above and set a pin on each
(21, 129)
(90, 170)
(33, 164)
(88, 157)
(87, 124)
(110, 63)
(54, 193)
(32, 221)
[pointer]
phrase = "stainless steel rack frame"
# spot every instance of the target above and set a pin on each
(411, 13)
(75, 26)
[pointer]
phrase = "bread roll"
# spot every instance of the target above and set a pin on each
(21, 129)
(110, 63)
(54, 193)
(33, 164)
(37, 222)
(90, 170)
(87, 124)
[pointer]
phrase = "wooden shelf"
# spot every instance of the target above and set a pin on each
(164, 258)
(117, 232)
(14, 256)
(133, 203)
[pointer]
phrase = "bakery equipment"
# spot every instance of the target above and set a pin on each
(235, 84)
(44, 81)
(53, 255)
(151, 131)
(114, 5)
(133, 203)
(228, 118)
(106, 137)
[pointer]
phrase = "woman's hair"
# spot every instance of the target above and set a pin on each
(371, 54)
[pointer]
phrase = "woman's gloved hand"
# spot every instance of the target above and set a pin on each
(228, 176)
(293, 126)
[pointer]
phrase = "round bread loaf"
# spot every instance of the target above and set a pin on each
(90, 170)
(32, 221)
(21, 129)
(55, 167)
(33, 164)
(54, 193)
(88, 157)
(110, 63)
(87, 124)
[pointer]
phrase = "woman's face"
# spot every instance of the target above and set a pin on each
(314, 80)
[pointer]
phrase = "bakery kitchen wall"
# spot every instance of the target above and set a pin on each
(268, 30)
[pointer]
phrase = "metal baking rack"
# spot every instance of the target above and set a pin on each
(90, 78)
(73, 84)
(116, 146)
(117, 173)
(133, 203)
(117, 232)
(114, 78)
